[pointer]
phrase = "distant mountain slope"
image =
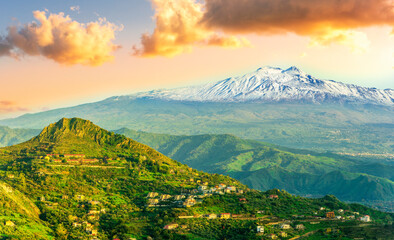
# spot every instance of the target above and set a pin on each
(265, 166)
(284, 107)
(347, 186)
(270, 84)
(9, 136)
(338, 128)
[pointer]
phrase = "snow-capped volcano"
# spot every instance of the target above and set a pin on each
(269, 84)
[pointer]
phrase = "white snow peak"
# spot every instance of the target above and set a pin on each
(270, 84)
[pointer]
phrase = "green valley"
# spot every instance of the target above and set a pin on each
(265, 166)
(76, 180)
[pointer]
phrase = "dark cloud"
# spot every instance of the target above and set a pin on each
(303, 17)
(5, 47)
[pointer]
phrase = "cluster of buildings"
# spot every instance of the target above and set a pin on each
(260, 232)
(365, 218)
(94, 207)
(174, 226)
(182, 200)
(349, 216)
(283, 227)
(77, 161)
(89, 228)
(188, 200)
(209, 216)
(93, 214)
(274, 236)
(220, 189)
(70, 158)
(94, 210)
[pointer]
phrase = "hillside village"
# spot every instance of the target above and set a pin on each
(268, 227)
(121, 189)
(271, 229)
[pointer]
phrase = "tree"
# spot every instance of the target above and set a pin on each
(61, 232)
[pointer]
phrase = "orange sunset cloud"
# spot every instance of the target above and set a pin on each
(178, 28)
(182, 24)
(61, 39)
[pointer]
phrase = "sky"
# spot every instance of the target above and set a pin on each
(63, 53)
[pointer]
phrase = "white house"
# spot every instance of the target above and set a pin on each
(260, 229)
(366, 218)
(284, 226)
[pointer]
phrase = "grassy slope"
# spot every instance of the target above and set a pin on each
(19, 209)
(264, 166)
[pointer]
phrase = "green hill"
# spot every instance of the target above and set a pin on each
(87, 182)
(265, 166)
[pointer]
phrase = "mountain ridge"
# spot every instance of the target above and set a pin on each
(271, 84)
